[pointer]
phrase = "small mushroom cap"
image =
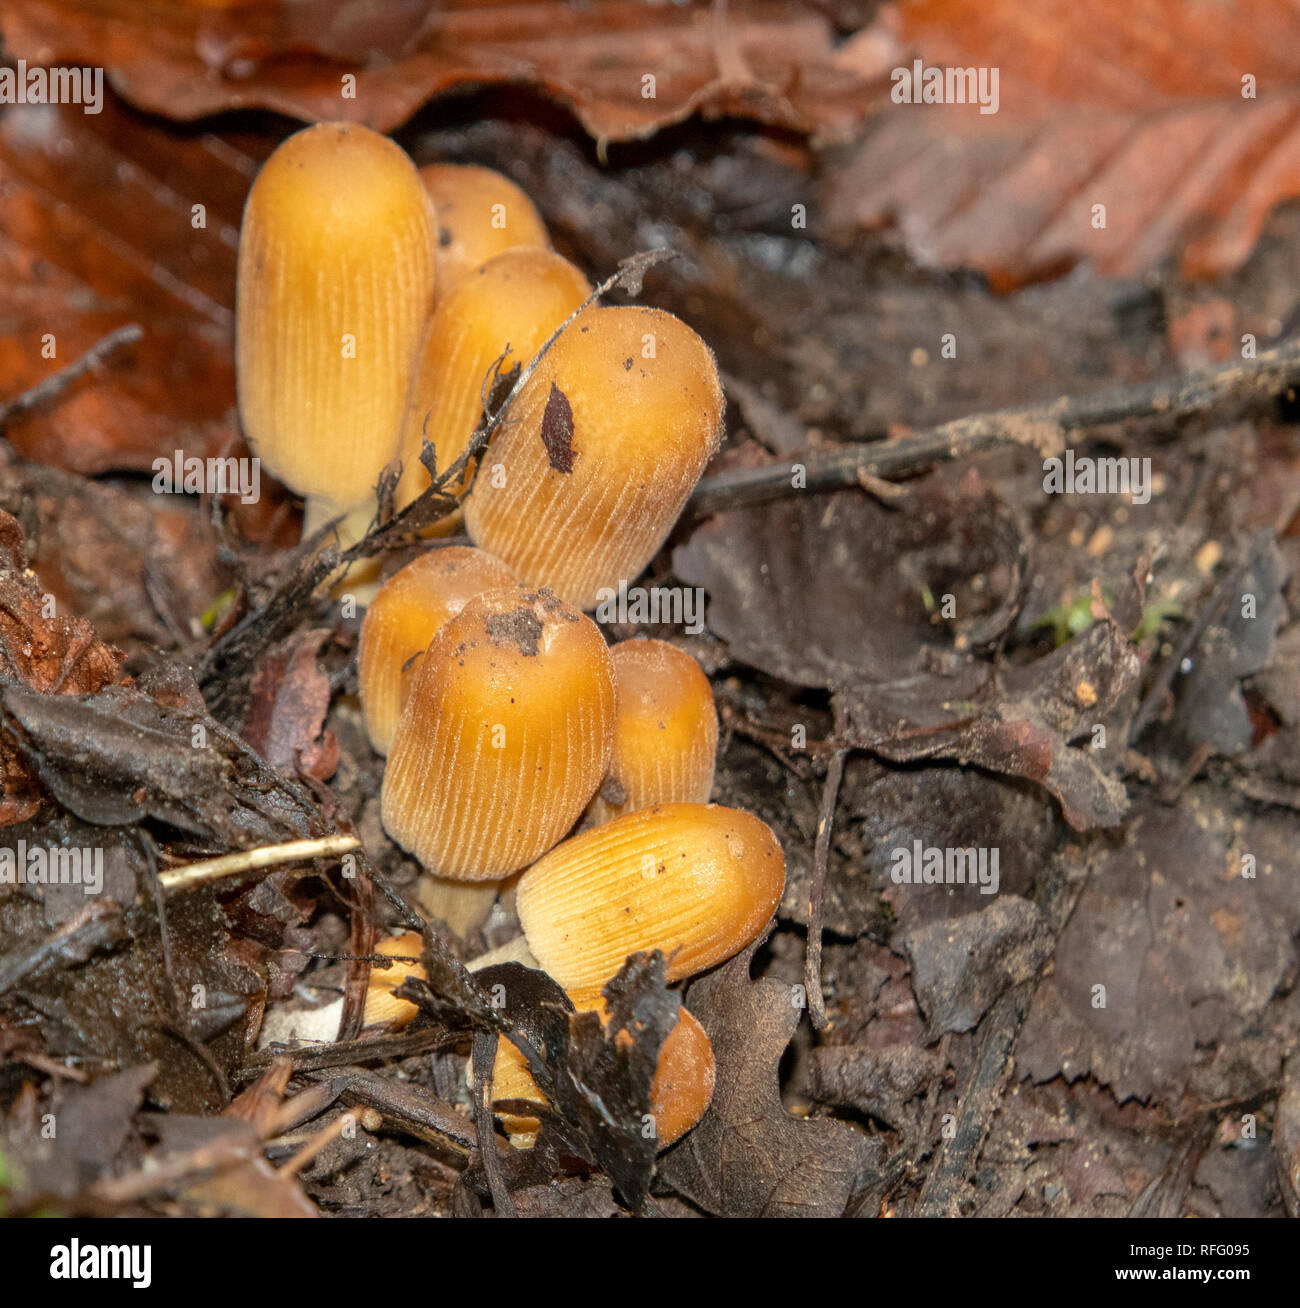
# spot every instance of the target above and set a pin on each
(480, 214)
(665, 731)
(504, 736)
(381, 1004)
(599, 452)
(697, 881)
(402, 619)
(516, 299)
(335, 285)
(679, 1095)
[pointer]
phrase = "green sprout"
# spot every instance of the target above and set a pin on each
(1075, 616)
(218, 609)
(1071, 618)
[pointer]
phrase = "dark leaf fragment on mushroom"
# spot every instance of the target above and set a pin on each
(597, 1085)
(557, 430)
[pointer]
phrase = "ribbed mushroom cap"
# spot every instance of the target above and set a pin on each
(504, 736)
(381, 1005)
(480, 214)
(665, 731)
(679, 1096)
(402, 619)
(336, 258)
(697, 881)
(516, 299)
(598, 453)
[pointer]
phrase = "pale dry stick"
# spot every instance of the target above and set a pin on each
(254, 860)
(1042, 427)
(56, 383)
(317, 1143)
(817, 896)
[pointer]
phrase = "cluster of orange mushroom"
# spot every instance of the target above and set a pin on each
(374, 301)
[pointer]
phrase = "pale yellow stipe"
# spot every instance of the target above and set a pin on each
(646, 406)
(665, 731)
(335, 285)
(461, 905)
(402, 619)
(503, 738)
(697, 881)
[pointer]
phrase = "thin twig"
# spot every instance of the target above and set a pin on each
(56, 383)
(1042, 426)
(317, 1143)
(812, 974)
(1153, 701)
(956, 1158)
(254, 860)
(629, 275)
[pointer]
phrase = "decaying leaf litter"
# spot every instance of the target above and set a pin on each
(1119, 865)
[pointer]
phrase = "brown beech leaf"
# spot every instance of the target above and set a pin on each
(1188, 949)
(829, 590)
(139, 567)
(43, 651)
(774, 62)
(748, 1157)
(286, 716)
(117, 239)
(1139, 108)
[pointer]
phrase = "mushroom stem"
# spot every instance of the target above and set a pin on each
(462, 905)
(514, 951)
(317, 512)
(360, 579)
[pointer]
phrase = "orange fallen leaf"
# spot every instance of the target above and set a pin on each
(1141, 106)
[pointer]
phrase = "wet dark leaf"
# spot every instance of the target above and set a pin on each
(1208, 704)
(91, 1125)
(749, 1157)
(962, 965)
(290, 696)
(118, 757)
(878, 1082)
(1187, 951)
(596, 1078)
(1015, 720)
(831, 590)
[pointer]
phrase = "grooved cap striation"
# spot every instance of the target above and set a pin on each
(337, 240)
(480, 214)
(599, 452)
(401, 621)
(698, 881)
(517, 299)
(504, 736)
(665, 731)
